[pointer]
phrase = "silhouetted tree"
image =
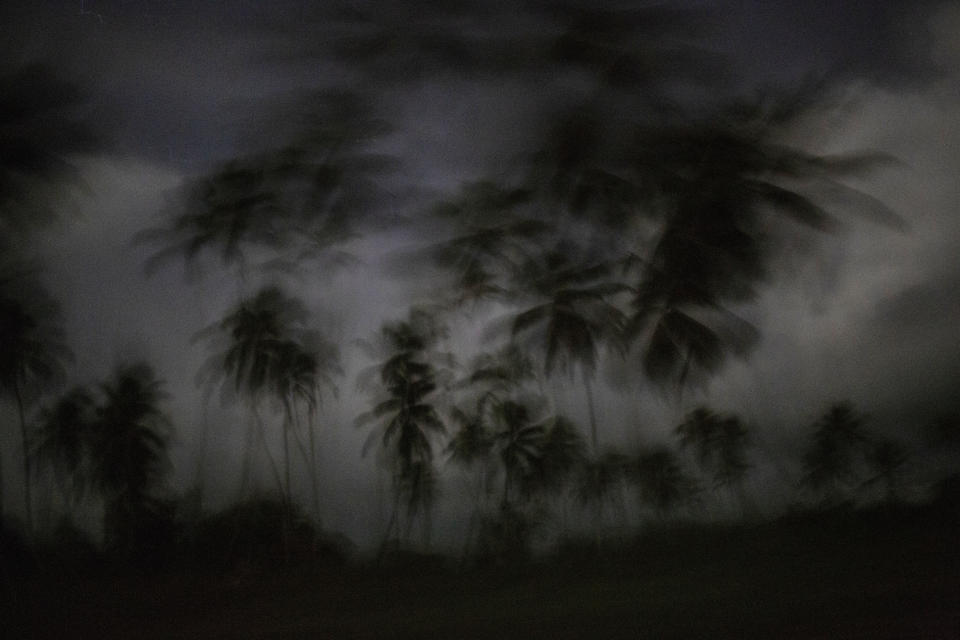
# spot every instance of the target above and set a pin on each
(519, 439)
(129, 456)
(833, 458)
(33, 351)
(492, 379)
(720, 444)
(573, 314)
(309, 189)
(302, 373)
(601, 484)
(264, 354)
(885, 462)
(62, 440)
(406, 419)
(40, 127)
(661, 481)
(492, 235)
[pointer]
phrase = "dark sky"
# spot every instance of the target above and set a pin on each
(867, 313)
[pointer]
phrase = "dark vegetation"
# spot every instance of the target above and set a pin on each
(630, 225)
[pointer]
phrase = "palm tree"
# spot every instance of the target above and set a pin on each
(885, 460)
(601, 484)
(302, 372)
(34, 350)
(661, 481)
(40, 127)
(62, 440)
(129, 454)
(306, 191)
(832, 459)
(406, 419)
(720, 445)
(519, 440)
(490, 239)
(266, 352)
(573, 316)
(726, 180)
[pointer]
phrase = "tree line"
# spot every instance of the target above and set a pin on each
(631, 222)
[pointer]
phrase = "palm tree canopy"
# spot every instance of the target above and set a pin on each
(304, 196)
(720, 443)
(265, 349)
(63, 435)
(661, 480)
(131, 434)
(32, 342)
(40, 127)
(407, 418)
(573, 314)
(836, 443)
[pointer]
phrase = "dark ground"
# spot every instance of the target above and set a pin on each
(887, 573)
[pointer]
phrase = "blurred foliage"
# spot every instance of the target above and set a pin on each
(42, 130)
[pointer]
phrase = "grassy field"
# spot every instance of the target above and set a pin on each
(882, 574)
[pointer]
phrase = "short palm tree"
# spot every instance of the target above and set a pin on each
(885, 461)
(661, 482)
(720, 445)
(833, 458)
(601, 484)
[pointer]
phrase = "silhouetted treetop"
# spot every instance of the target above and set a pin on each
(312, 183)
(41, 126)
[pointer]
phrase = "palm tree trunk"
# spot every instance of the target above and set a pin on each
(246, 464)
(286, 456)
(27, 497)
(314, 479)
(593, 414)
(393, 522)
(309, 456)
(266, 448)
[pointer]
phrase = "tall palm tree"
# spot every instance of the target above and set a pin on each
(406, 420)
(492, 379)
(303, 370)
(572, 316)
(129, 454)
(263, 352)
(34, 351)
(62, 440)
